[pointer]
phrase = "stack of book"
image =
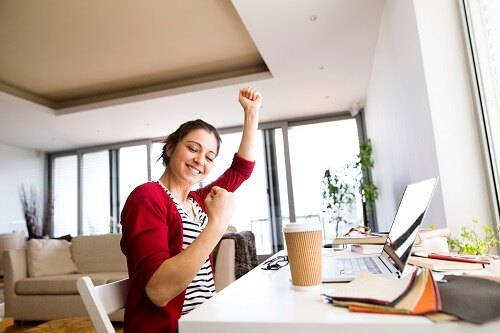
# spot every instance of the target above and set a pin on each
(416, 293)
(361, 239)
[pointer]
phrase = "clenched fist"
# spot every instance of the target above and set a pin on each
(219, 204)
(250, 99)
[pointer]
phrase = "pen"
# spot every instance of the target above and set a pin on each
(452, 258)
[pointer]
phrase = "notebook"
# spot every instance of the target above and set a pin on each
(397, 249)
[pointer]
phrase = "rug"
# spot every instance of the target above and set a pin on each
(76, 325)
(67, 325)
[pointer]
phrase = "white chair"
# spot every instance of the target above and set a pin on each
(102, 300)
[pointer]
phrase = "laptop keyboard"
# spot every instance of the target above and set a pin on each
(352, 266)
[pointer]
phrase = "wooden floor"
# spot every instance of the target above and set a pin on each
(21, 326)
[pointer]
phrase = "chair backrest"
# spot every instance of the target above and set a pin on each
(102, 300)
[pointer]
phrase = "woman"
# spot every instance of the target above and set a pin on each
(170, 231)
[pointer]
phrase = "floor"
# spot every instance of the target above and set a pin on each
(23, 326)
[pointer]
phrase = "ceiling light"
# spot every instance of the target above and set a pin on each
(321, 68)
(313, 18)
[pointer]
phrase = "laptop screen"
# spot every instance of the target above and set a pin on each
(407, 221)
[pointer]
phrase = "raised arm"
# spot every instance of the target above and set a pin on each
(251, 101)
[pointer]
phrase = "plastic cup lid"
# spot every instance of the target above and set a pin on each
(302, 226)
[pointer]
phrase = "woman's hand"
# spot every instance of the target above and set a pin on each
(219, 204)
(250, 99)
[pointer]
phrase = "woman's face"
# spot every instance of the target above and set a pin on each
(193, 157)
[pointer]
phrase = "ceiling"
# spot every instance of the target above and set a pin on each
(77, 74)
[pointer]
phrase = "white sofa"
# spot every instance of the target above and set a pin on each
(56, 296)
(48, 297)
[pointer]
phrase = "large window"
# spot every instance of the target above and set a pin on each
(483, 24)
(132, 170)
(251, 197)
(313, 149)
(91, 186)
(65, 192)
(95, 212)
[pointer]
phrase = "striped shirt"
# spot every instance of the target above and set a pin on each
(202, 287)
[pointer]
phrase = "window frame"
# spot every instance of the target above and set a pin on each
(480, 112)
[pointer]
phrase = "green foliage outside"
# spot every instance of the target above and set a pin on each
(472, 243)
(341, 185)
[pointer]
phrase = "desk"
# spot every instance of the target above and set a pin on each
(262, 301)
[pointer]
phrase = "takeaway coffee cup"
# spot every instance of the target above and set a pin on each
(304, 243)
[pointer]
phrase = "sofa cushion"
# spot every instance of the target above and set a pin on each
(63, 284)
(49, 257)
(100, 253)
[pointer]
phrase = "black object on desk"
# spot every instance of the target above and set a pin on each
(472, 299)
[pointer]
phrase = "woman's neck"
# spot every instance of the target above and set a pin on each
(179, 190)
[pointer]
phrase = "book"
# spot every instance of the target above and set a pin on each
(367, 248)
(371, 288)
(454, 257)
(421, 297)
(439, 265)
(360, 239)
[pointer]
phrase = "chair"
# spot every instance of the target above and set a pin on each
(102, 300)
(234, 256)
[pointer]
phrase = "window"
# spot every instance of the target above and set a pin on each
(95, 193)
(65, 190)
(132, 170)
(157, 167)
(91, 187)
(483, 24)
(251, 197)
(313, 149)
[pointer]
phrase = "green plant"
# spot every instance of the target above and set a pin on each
(339, 190)
(474, 244)
(365, 162)
(338, 195)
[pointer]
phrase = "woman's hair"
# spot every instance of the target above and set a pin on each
(174, 138)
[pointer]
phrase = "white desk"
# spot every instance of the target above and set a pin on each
(262, 301)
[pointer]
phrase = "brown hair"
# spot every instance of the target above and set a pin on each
(174, 138)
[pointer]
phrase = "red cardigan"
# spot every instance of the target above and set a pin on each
(152, 233)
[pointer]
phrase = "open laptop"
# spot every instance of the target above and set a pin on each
(397, 249)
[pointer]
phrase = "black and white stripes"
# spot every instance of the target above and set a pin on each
(202, 287)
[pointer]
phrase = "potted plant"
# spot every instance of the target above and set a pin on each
(472, 243)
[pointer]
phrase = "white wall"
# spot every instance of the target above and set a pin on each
(455, 128)
(397, 115)
(17, 166)
(420, 116)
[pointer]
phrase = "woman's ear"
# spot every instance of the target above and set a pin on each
(169, 150)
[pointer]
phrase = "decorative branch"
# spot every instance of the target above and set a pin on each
(48, 214)
(38, 224)
(29, 204)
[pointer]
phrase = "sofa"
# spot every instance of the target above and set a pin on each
(40, 280)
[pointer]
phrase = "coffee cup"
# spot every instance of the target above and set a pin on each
(304, 243)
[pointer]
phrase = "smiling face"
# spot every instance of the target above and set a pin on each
(193, 157)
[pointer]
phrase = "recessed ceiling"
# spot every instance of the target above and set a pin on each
(76, 74)
(63, 53)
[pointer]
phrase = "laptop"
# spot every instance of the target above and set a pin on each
(397, 249)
